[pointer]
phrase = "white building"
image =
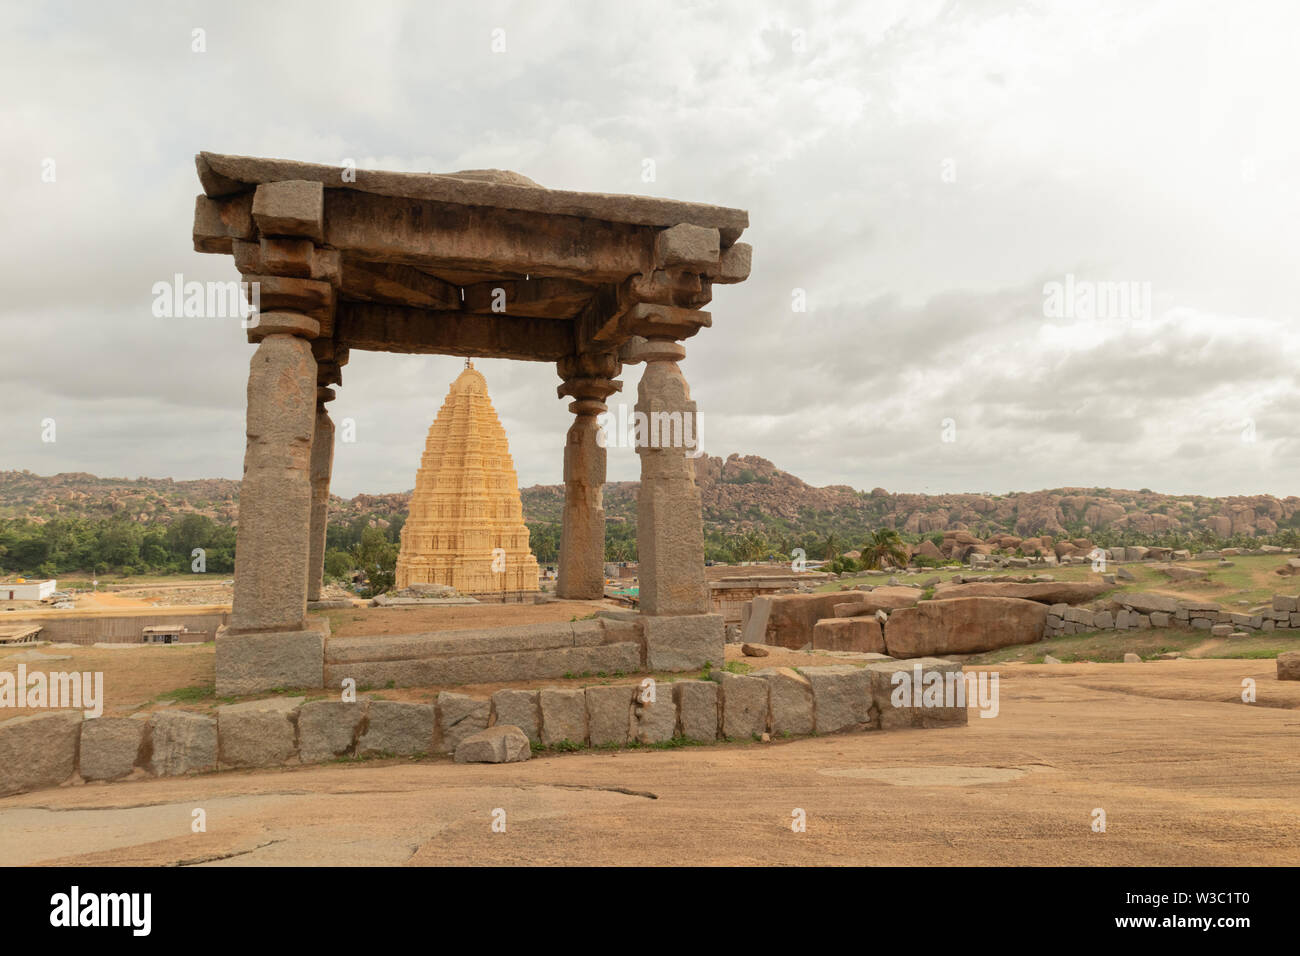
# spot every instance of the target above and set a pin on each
(22, 590)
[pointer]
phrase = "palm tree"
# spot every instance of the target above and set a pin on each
(832, 549)
(884, 546)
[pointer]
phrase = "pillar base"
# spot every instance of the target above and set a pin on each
(683, 642)
(250, 663)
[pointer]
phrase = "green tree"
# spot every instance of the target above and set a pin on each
(884, 547)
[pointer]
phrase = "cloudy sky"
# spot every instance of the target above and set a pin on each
(922, 171)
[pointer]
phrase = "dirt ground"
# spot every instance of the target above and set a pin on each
(1183, 778)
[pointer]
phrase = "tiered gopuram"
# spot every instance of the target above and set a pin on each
(466, 525)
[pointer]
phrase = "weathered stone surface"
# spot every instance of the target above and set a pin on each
(257, 733)
(964, 626)
(609, 714)
(754, 650)
(564, 716)
(743, 701)
(328, 729)
(1145, 603)
(1049, 592)
(1160, 619)
(179, 742)
(254, 663)
(460, 716)
(272, 551)
(848, 634)
(687, 246)
(582, 536)
(396, 728)
(684, 642)
(110, 747)
(502, 743)
(1286, 602)
(38, 751)
(1288, 665)
(787, 620)
(842, 697)
(1131, 658)
(790, 700)
(656, 721)
(290, 208)
(519, 708)
(894, 692)
(697, 708)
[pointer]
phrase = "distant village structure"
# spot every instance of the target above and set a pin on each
(479, 263)
(466, 524)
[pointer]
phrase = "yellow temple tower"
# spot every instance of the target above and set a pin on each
(466, 524)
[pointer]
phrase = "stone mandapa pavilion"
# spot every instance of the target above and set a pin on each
(475, 264)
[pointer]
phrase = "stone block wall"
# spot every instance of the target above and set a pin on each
(1283, 614)
(47, 750)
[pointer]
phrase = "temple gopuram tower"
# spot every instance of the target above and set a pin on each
(466, 503)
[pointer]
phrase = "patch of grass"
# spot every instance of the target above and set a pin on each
(188, 695)
(736, 667)
(566, 746)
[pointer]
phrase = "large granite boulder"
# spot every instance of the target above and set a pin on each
(110, 747)
(787, 620)
(965, 625)
(848, 634)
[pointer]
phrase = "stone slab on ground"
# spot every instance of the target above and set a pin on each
(38, 751)
(697, 708)
(110, 747)
(328, 729)
(179, 742)
(502, 743)
(743, 703)
(564, 716)
(684, 642)
(841, 697)
(609, 714)
(397, 728)
(257, 733)
(255, 663)
(1288, 665)
(790, 700)
(519, 708)
(655, 721)
(460, 717)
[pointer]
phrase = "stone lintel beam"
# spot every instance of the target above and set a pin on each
(396, 284)
(603, 324)
(395, 328)
(442, 237)
(218, 222)
(223, 175)
(536, 296)
(292, 208)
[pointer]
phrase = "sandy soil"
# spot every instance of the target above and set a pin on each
(1183, 782)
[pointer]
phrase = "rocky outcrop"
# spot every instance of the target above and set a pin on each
(967, 625)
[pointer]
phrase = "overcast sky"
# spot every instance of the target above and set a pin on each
(921, 170)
